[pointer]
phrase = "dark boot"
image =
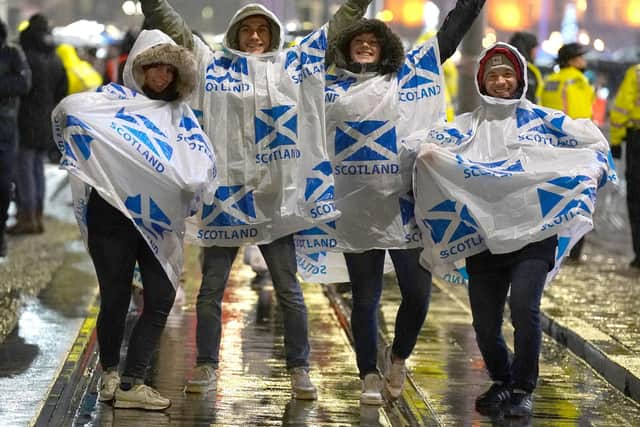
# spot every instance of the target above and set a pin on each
(3, 244)
(39, 221)
(26, 224)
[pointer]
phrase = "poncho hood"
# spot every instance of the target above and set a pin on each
(391, 49)
(155, 47)
(521, 69)
(277, 30)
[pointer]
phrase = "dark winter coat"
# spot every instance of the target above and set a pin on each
(49, 86)
(15, 81)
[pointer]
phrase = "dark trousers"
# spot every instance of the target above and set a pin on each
(366, 275)
(7, 160)
(632, 175)
(115, 246)
(30, 179)
(487, 294)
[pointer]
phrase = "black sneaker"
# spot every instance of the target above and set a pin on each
(520, 405)
(491, 401)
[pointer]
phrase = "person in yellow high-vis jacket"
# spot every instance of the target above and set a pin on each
(625, 126)
(569, 91)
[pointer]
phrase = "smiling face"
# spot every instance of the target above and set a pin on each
(501, 82)
(254, 35)
(158, 77)
(365, 49)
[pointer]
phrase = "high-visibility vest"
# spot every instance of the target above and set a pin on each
(625, 112)
(569, 91)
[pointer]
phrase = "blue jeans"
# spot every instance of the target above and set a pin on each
(487, 295)
(30, 179)
(281, 259)
(115, 246)
(366, 274)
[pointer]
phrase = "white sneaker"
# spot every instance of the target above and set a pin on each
(203, 379)
(395, 374)
(141, 396)
(371, 390)
(301, 386)
(109, 382)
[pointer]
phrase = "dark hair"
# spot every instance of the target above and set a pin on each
(524, 42)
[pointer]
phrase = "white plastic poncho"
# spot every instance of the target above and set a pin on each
(148, 158)
(368, 116)
(267, 115)
(508, 174)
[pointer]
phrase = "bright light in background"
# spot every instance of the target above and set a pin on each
(431, 16)
(291, 26)
(633, 12)
(581, 6)
(207, 12)
(584, 38)
(385, 15)
(509, 16)
(553, 44)
(412, 12)
(489, 38)
(129, 8)
(598, 45)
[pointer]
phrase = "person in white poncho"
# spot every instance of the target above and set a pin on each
(265, 106)
(509, 188)
(134, 181)
(377, 95)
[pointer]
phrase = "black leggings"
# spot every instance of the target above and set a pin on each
(115, 246)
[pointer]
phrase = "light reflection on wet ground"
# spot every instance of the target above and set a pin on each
(253, 388)
(447, 366)
(34, 351)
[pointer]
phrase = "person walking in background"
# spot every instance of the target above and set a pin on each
(370, 108)
(15, 81)
(49, 86)
(569, 91)
(625, 127)
(527, 43)
(254, 77)
(81, 75)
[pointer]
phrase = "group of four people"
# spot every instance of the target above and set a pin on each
(371, 87)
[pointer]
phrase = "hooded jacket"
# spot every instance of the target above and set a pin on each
(370, 109)
(265, 115)
(507, 178)
(15, 81)
(81, 75)
(525, 43)
(154, 47)
(49, 85)
(146, 157)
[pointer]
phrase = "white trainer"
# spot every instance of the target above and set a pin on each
(395, 374)
(203, 379)
(107, 386)
(141, 396)
(372, 390)
(301, 386)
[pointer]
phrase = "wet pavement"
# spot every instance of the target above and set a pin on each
(590, 308)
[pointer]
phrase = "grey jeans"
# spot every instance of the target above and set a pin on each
(281, 259)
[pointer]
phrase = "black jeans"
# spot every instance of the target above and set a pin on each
(632, 175)
(366, 275)
(115, 246)
(487, 295)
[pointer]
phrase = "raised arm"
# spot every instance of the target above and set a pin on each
(456, 25)
(349, 12)
(158, 14)
(18, 81)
